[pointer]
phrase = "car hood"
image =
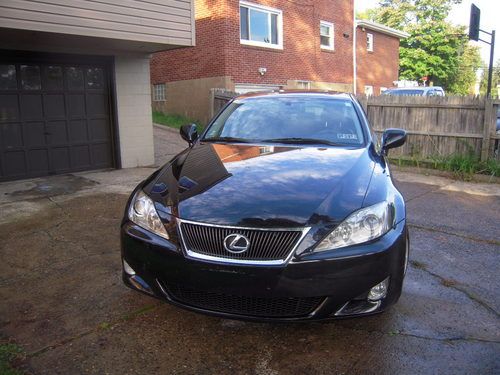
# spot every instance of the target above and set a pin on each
(265, 186)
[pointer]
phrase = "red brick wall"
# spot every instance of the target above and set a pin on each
(218, 50)
(380, 67)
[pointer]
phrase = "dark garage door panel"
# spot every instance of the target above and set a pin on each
(54, 118)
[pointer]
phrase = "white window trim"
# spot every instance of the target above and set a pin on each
(369, 42)
(369, 88)
(156, 91)
(332, 34)
(279, 25)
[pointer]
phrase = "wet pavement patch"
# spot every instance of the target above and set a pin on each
(64, 304)
(52, 186)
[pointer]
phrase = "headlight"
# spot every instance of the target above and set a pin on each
(361, 226)
(143, 213)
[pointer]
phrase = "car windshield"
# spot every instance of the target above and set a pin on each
(404, 92)
(289, 119)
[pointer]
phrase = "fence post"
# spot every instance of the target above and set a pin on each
(487, 129)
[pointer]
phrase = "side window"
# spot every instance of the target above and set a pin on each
(369, 42)
(159, 94)
(326, 35)
(260, 25)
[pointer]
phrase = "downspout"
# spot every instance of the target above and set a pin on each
(354, 37)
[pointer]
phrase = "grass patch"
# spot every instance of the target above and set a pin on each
(462, 167)
(173, 121)
(8, 354)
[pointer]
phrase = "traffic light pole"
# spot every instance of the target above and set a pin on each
(492, 51)
(475, 17)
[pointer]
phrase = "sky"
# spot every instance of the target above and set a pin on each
(459, 15)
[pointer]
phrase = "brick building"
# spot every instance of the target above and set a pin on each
(377, 57)
(260, 45)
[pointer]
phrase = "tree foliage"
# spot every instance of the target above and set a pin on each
(435, 48)
(495, 80)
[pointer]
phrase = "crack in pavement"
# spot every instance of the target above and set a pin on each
(456, 287)
(120, 320)
(439, 339)
(464, 236)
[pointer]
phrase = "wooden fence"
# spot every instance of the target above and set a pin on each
(436, 126)
(218, 99)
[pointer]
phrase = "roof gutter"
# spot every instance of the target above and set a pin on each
(381, 28)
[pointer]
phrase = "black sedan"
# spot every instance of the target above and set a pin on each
(283, 209)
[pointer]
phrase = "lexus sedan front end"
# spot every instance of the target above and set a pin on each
(282, 209)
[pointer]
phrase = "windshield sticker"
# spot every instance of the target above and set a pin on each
(347, 136)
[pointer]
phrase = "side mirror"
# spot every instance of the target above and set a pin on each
(189, 133)
(392, 138)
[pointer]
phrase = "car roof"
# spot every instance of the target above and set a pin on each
(296, 93)
(424, 88)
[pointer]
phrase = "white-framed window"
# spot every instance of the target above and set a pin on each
(369, 42)
(159, 92)
(326, 35)
(261, 26)
(368, 90)
(304, 85)
(382, 89)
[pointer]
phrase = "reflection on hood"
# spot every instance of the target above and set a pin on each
(266, 185)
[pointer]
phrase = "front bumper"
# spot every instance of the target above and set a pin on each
(321, 287)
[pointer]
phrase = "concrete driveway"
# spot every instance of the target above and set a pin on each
(63, 303)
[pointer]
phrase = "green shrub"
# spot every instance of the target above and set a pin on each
(462, 166)
(173, 120)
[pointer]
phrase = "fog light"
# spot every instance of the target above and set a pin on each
(379, 291)
(128, 270)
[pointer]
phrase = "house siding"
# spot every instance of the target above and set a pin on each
(153, 21)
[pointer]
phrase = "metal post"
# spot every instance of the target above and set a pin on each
(490, 69)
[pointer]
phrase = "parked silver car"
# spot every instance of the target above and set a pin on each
(417, 91)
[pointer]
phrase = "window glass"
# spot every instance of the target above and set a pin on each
(95, 78)
(259, 25)
(369, 42)
(74, 77)
(8, 79)
(159, 92)
(244, 23)
(52, 77)
(326, 34)
(261, 119)
(274, 28)
(30, 77)
(259, 30)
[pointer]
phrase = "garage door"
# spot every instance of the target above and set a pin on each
(54, 118)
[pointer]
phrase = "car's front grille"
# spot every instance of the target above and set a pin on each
(264, 244)
(282, 307)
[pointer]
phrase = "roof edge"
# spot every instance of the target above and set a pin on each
(382, 28)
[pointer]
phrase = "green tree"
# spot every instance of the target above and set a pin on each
(462, 82)
(435, 48)
(495, 80)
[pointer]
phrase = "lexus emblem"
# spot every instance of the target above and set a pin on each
(236, 243)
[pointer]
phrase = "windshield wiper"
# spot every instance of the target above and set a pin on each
(295, 140)
(227, 139)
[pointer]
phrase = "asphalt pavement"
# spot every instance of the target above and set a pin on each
(64, 305)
